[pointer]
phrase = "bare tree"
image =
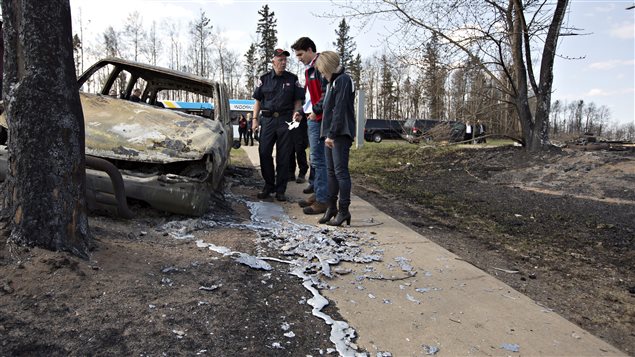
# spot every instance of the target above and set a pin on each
(227, 63)
(134, 33)
(556, 111)
(201, 31)
(504, 36)
(152, 46)
(220, 43)
(175, 45)
(44, 190)
(370, 82)
(112, 42)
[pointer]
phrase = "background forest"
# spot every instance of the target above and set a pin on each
(432, 85)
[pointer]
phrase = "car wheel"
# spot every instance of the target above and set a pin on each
(377, 137)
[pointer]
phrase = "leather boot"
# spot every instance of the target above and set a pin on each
(316, 208)
(307, 202)
(330, 213)
(342, 215)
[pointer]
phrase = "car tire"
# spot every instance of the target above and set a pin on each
(377, 137)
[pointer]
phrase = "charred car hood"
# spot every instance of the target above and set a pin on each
(124, 130)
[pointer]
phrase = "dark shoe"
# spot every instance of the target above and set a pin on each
(309, 189)
(342, 215)
(300, 179)
(281, 197)
(263, 195)
(291, 178)
(307, 202)
(330, 213)
(316, 208)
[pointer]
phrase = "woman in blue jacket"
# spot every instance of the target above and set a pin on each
(338, 129)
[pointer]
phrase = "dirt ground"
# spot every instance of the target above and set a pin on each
(561, 225)
(149, 289)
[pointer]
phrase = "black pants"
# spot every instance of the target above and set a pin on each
(275, 131)
(249, 136)
(299, 143)
(242, 133)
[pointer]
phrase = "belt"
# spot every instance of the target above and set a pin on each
(272, 114)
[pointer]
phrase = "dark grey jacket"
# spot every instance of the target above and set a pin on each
(338, 115)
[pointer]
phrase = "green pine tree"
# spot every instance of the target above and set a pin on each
(355, 70)
(435, 76)
(344, 44)
(251, 66)
(268, 37)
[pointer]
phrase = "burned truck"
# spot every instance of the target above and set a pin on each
(171, 160)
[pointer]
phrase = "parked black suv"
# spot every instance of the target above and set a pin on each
(377, 130)
(417, 129)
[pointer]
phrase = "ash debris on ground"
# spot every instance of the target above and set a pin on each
(310, 253)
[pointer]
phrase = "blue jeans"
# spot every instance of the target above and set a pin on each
(339, 178)
(318, 161)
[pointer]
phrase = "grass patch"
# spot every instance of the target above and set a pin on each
(392, 167)
(238, 157)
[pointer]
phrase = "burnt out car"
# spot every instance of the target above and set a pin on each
(173, 161)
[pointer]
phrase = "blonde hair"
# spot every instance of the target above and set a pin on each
(327, 62)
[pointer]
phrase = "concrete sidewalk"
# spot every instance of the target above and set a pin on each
(449, 304)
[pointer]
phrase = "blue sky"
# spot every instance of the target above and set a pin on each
(604, 76)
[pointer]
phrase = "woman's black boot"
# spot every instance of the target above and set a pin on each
(342, 215)
(330, 213)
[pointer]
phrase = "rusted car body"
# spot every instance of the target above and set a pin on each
(169, 159)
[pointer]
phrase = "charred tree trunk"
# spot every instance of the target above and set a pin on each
(543, 91)
(44, 202)
(535, 126)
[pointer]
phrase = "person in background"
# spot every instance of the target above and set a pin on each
(315, 86)
(242, 129)
(338, 131)
(480, 132)
(250, 131)
(136, 95)
(469, 132)
(279, 97)
(299, 143)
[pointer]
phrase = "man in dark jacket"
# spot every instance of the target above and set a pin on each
(279, 98)
(315, 86)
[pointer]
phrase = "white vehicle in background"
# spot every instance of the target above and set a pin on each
(236, 108)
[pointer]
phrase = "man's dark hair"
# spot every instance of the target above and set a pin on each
(304, 43)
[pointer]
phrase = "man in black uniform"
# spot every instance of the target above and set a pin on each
(279, 97)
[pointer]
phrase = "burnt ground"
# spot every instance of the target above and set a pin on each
(148, 290)
(562, 223)
(565, 221)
